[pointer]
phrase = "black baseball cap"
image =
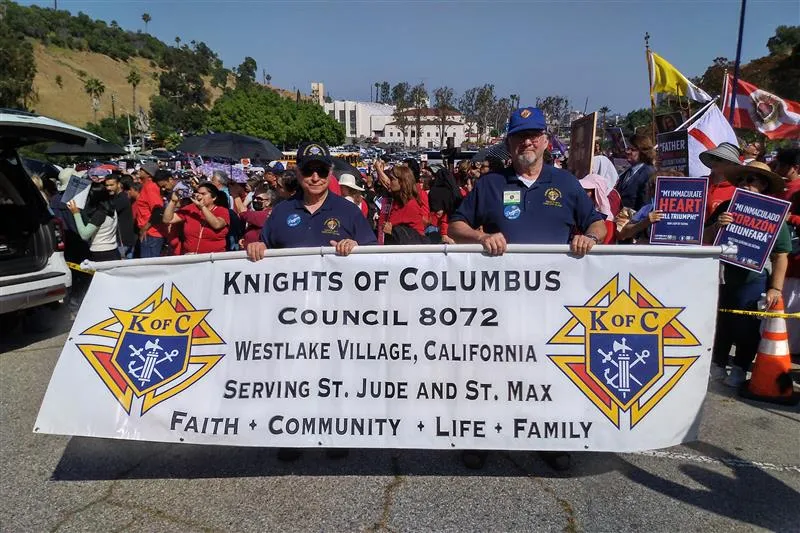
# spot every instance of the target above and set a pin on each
(313, 151)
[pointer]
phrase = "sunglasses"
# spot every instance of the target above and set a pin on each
(320, 171)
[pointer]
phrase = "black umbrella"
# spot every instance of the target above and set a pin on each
(496, 151)
(230, 145)
(340, 166)
(89, 147)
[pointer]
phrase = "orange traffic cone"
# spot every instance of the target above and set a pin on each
(770, 380)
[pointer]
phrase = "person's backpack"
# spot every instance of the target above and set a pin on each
(403, 234)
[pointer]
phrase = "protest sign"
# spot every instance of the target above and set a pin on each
(419, 349)
(683, 201)
(581, 146)
(668, 122)
(618, 143)
(757, 219)
(673, 151)
(77, 189)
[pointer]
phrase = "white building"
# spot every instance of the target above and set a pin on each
(361, 120)
(370, 120)
(430, 130)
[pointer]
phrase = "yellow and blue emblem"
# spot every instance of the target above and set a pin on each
(152, 356)
(624, 367)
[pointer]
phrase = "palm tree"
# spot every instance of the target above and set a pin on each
(377, 88)
(268, 77)
(603, 110)
(514, 101)
(134, 79)
(95, 89)
(146, 18)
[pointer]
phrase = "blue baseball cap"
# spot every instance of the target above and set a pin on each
(526, 118)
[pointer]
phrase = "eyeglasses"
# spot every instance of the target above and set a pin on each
(309, 171)
(749, 180)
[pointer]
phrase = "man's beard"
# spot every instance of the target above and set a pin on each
(525, 159)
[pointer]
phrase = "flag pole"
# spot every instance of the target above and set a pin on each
(738, 61)
(702, 110)
(650, 77)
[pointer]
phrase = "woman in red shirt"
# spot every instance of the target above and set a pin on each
(408, 207)
(205, 224)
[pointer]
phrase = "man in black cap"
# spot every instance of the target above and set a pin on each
(315, 217)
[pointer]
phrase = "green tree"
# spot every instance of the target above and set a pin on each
(146, 18)
(418, 98)
(401, 101)
(95, 89)
(17, 69)
(785, 40)
(556, 111)
(59, 81)
(386, 92)
(115, 131)
(485, 101)
(467, 106)
(499, 117)
(444, 104)
(134, 79)
(263, 113)
(246, 73)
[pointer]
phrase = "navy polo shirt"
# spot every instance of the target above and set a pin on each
(290, 225)
(544, 213)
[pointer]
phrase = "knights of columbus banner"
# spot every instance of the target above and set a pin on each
(539, 351)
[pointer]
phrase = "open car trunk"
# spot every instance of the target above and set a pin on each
(26, 228)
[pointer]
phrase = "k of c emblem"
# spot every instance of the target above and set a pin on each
(525, 113)
(152, 354)
(623, 367)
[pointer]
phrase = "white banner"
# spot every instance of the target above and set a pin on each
(537, 351)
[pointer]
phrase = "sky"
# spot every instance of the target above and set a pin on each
(578, 49)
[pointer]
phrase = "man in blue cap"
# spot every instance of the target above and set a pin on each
(529, 203)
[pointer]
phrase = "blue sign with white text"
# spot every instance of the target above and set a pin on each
(757, 219)
(683, 202)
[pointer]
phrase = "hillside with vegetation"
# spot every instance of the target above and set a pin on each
(96, 74)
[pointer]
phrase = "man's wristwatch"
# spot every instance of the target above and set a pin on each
(593, 237)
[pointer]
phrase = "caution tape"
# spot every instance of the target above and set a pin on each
(76, 266)
(762, 314)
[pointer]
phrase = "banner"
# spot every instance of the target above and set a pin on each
(757, 218)
(683, 201)
(452, 350)
(673, 151)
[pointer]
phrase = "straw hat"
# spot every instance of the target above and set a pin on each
(348, 180)
(755, 168)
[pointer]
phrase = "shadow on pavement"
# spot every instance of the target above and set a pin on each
(87, 458)
(748, 495)
(24, 329)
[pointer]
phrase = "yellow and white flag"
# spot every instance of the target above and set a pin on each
(668, 79)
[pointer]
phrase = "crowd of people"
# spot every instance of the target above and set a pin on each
(149, 212)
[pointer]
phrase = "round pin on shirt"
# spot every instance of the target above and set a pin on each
(293, 220)
(512, 212)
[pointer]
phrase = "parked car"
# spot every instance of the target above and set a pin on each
(33, 272)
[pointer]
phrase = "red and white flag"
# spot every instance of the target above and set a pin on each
(707, 133)
(756, 109)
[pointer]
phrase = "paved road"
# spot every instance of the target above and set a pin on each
(743, 475)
